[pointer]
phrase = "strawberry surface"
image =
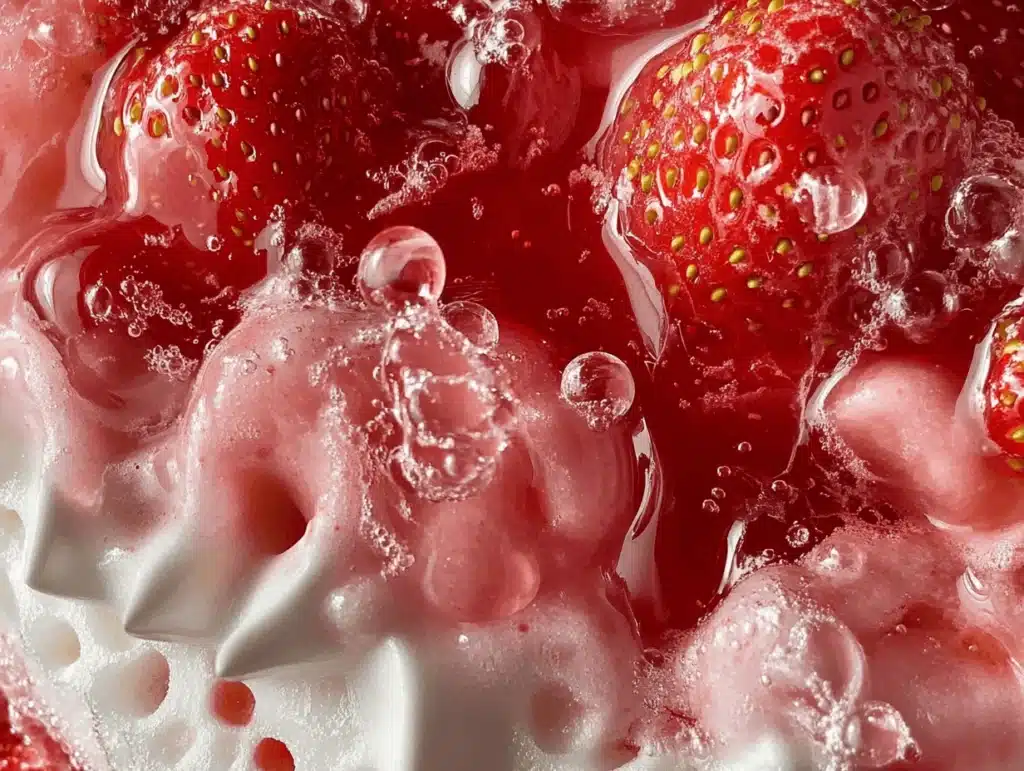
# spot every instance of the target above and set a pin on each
(755, 158)
(119, 22)
(1004, 386)
(989, 40)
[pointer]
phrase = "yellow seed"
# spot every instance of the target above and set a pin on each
(674, 290)
(753, 29)
(195, 80)
(728, 17)
(703, 180)
(732, 144)
(697, 94)
(914, 195)
(1008, 398)
(197, 38)
(232, 19)
(846, 57)
(706, 236)
(700, 133)
(753, 282)
(672, 177)
(118, 126)
(166, 87)
(223, 172)
(247, 149)
(223, 115)
(753, 4)
(645, 128)
(249, 33)
(700, 61)
(678, 139)
(663, 71)
(257, 192)
(653, 149)
(936, 183)
(628, 105)
(658, 99)
(627, 137)
(718, 295)
(784, 246)
(717, 73)
(816, 76)
(936, 88)
(633, 169)
(738, 255)
(158, 127)
(787, 190)
(805, 270)
(840, 142)
(677, 243)
(237, 231)
(647, 182)
(822, 237)
(947, 83)
(788, 303)
(135, 112)
(681, 71)
(284, 27)
(1015, 464)
(982, 103)
(699, 43)
(651, 216)
(1017, 434)
(669, 111)
(881, 129)
(691, 271)
(955, 121)
(253, 64)
(220, 53)
(735, 199)
(1012, 347)
(776, 5)
(218, 80)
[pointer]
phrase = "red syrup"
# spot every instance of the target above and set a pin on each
(519, 233)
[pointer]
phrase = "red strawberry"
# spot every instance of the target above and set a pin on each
(989, 39)
(1004, 386)
(731, 147)
(251, 106)
(26, 745)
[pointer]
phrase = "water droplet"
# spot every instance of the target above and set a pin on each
(984, 209)
(717, 492)
(213, 243)
(99, 302)
(401, 265)
(600, 387)
(710, 507)
(475, 322)
(744, 447)
(830, 200)
(724, 472)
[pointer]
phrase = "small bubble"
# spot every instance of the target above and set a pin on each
(798, 536)
(213, 243)
(744, 447)
(249, 366)
(710, 507)
(99, 301)
(830, 200)
(724, 472)
(401, 265)
(984, 209)
(600, 387)
(475, 322)
(717, 492)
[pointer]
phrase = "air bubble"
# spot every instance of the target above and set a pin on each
(798, 536)
(710, 507)
(401, 266)
(474, 322)
(984, 209)
(99, 302)
(830, 200)
(600, 387)
(55, 642)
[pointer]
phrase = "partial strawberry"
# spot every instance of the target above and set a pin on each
(755, 155)
(1004, 386)
(119, 22)
(25, 745)
(989, 40)
(251, 106)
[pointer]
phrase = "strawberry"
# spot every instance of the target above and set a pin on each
(1004, 386)
(755, 156)
(252, 108)
(26, 745)
(989, 40)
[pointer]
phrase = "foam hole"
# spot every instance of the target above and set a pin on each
(273, 755)
(275, 521)
(11, 529)
(55, 642)
(232, 703)
(171, 741)
(133, 689)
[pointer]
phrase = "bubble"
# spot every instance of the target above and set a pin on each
(600, 387)
(401, 265)
(830, 199)
(798, 536)
(99, 302)
(474, 322)
(983, 210)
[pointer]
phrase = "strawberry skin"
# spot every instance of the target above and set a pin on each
(251, 106)
(1004, 386)
(721, 141)
(989, 40)
(119, 22)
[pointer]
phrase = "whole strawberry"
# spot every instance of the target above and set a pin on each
(754, 157)
(251, 110)
(1004, 387)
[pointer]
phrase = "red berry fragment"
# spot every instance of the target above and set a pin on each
(1004, 387)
